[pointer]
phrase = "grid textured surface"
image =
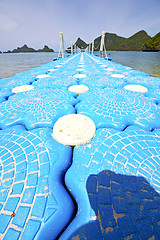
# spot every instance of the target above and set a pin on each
(32, 196)
(36, 108)
(119, 108)
(113, 180)
(126, 207)
(132, 152)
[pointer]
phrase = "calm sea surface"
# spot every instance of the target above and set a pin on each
(11, 64)
(148, 62)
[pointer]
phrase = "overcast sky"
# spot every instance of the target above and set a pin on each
(38, 22)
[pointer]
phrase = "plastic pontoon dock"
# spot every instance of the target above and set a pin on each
(80, 152)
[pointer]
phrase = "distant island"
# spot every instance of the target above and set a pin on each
(153, 44)
(26, 49)
(140, 41)
(114, 42)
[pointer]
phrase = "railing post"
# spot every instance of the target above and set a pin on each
(92, 46)
(75, 50)
(71, 48)
(89, 48)
(62, 44)
(102, 43)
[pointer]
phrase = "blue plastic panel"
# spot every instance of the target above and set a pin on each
(9, 83)
(55, 82)
(154, 95)
(101, 64)
(111, 205)
(4, 95)
(36, 108)
(152, 83)
(103, 81)
(119, 108)
(33, 201)
(132, 152)
(126, 207)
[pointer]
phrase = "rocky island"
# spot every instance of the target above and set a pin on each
(26, 49)
(140, 41)
(153, 44)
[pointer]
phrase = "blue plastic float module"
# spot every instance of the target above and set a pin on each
(9, 83)
(42, 107)
(126, 207)
(103, 81)
(23, 79)
(101, 63)
(154, 95)
(103, 70)
(100, 75)
(36, 108)
(132, 152)
(33, 201)
(55, 82)
(28, 77)
(4, 95)
(119, 108)
(152, 83)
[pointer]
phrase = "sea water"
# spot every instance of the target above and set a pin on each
(12, 63)
(148, 62)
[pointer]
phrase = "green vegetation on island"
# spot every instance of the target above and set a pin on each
(79, 43)
(153, 44)
(114, 42)
(45, 49)
(140, 41)
(26, 49)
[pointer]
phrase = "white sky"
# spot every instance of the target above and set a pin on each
(38, 22)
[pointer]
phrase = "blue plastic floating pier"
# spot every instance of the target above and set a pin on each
(33, 201)
(4, 95)
(107, 188)
(55, 82)
(132, 152)
(119, 108)
(36, 108)
(125, 207)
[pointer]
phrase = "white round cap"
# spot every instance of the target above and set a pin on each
(118, 75)
(79, 76)
(136, 88)
(22, 88)
(52, 70)
(109, 69)
(103, 65)
(42, 76)
(78, 88)
(74, 129)
(58, 66)
(80, 69)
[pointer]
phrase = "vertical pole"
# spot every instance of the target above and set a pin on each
(71, 48)
(89, 48)
(75, 48)
(62, 44)
(92, 46)
(102, 43)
